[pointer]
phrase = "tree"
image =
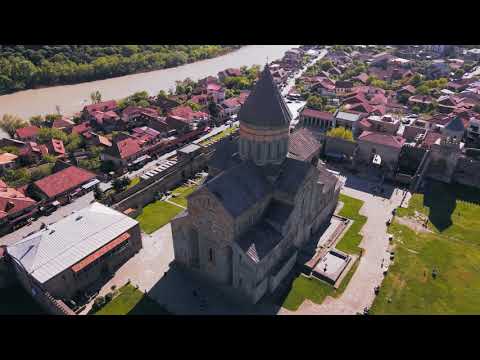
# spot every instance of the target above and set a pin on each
(340, 132)
(96, 97)
(119, 184)
(17, 177)
(10, 123)
(416, 80)
(49, 158)
(423, 90)
(37, 120)
(41, 171)
(46, 134)
(316, 102)
(74, 142)
(50, 118)
(98, 193)
(10, 149)
(213, 109)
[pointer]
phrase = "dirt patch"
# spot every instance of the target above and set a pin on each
(413, 224)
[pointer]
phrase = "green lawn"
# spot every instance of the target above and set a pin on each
(351, 239)
(16, 301)
(453, 249)
(133, 182)
(182, 192)
(131, 301)
(159, 213)
(314, 290)
(219, 136)
(156, 215)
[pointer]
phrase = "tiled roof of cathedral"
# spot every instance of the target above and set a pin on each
(239, 188)
(265, 106)
(303, 144)
(259, 241)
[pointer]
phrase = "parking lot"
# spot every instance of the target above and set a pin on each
(60, 213)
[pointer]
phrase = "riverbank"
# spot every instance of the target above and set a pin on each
(72, 98)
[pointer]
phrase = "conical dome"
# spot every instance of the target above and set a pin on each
(265, 106)
(264, 123)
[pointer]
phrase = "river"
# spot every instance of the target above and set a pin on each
(72, 98)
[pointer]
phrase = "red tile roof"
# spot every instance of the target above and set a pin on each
(100, 252)
(382, 139)
(63, 123)
(103, 106)
(81, 128)
(127, 147)
(27, 132)
(303, 144)
(12, 200)
(324, 115)
(430, 138)
(57, 146)
(64, 180)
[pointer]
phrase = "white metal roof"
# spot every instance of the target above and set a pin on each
(50, 251)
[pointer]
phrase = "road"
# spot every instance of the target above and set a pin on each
(59, 214)
(296, 106)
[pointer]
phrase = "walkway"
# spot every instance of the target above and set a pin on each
(369, 274)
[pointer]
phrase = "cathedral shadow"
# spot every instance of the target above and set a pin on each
(179, 292)
(442, 198)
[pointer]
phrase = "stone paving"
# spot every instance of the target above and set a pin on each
(360, 291)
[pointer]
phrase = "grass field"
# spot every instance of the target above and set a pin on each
(453, 248)
(182, 192)
(133, 182)
(131, 301)
(351, 239)
(156, 215)
(16, 301)
(159, 213)
(314, 290)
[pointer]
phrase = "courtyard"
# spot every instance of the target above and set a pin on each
(449, 244)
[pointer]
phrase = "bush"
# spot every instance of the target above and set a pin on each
(108, 297)
(98, 302)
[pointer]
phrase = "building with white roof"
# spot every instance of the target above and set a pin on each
(67, 257)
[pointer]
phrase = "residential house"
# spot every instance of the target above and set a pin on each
(104, 106)
(81, 128)
(99, 140)
(14, 207)
(230, 107)
(27, 133)
(56, 148)
(159, 124)
(384, 124)
(349, 120)
(146, 135)
(230, 72)
(61, 185)
(382, 150)
(343, 87)
(8, 161)
(123, 151)
(108, 121)
(33, 152)
(64, 124)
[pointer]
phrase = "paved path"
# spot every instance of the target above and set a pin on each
(59, 214)
(360, 291)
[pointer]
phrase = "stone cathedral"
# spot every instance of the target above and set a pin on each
(244, 226)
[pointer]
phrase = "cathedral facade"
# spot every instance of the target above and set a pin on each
(245, 225)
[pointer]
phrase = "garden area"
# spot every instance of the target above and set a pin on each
(131, 301)
(436, 271)
(316, 290)
(159, 213)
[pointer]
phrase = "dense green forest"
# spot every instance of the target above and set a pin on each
(29, 66)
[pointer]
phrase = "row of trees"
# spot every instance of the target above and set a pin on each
(23, 67)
